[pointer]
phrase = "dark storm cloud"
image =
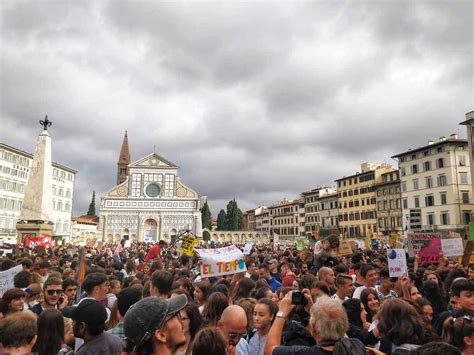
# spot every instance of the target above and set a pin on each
(257, 101)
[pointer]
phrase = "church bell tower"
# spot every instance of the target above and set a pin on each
(123, 161)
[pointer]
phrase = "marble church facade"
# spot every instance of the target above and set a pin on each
(150, 203)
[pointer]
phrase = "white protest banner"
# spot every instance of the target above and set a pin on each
(222, 261)
(248, 248)
(6, 278)
(397, 262)
(452, 247)
(276, 239)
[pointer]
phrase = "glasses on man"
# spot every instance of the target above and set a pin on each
(52, 292)
(171, 316)
(236, 336)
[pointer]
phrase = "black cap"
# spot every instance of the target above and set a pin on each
(148, 315)
(89, 311)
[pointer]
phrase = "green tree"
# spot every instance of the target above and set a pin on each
(206, 216)
(221, 221)
(234, 216)
(91, 211)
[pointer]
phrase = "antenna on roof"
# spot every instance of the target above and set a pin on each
(154, 149)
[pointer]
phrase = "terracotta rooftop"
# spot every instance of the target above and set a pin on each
(86, 219)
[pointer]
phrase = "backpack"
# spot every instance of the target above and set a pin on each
(349, 346)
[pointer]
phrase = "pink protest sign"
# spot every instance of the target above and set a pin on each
(429, 253)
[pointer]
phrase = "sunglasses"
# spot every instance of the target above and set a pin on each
(52, 292)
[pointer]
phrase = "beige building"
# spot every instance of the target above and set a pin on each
(436, 183)
(389, 204)
(329, 212)
(287, 219)
(357, 200)
(15, 166)
(262, 219)
(312, 221)
(249, 220)
(312, 208)
(84, 229)
(469, 123)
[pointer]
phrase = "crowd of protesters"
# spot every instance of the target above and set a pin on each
(151, 299)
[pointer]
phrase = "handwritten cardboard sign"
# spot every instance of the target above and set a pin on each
(468, 253)
(345, 247)
(452, 247)
(222, 261)
(6, 278)
(397, 262)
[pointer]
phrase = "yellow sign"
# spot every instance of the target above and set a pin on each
(187, 245)
(392, 241)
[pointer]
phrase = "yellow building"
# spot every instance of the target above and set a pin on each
(357, 200)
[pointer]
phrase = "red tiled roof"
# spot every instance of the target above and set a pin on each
(86, 219)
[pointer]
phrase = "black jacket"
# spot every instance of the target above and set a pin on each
(296, 334)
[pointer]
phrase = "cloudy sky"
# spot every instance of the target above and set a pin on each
(253, 100)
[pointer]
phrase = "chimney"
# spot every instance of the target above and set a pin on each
(430, 142)
(453, 136)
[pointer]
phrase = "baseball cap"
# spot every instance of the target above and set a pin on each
(89, 311)
(148, 315)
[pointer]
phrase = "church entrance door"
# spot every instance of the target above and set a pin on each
(150, 230)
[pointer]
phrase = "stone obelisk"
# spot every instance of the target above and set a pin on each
(37, 207)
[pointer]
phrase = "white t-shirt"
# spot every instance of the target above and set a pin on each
(336, 298)
(358, 291)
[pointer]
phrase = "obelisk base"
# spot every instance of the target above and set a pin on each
(33, 229)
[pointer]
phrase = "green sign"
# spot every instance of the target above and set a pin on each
(471, 230)
(300, 244)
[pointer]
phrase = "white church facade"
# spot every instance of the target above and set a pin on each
(149, 203)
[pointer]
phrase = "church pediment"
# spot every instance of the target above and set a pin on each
(119, 190)
(184, 191)
(153, 161)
